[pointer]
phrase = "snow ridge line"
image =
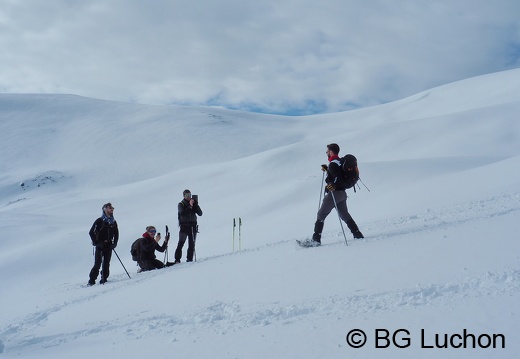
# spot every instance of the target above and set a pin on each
(503, 204)
(445, 217)
(223, 317)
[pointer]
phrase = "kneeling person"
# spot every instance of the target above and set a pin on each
(148, 245)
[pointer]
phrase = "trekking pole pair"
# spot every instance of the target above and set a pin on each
(335, 206)
(239, 233)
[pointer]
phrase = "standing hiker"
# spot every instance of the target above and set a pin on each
(335, 191)
(188, 209)
(104, 235)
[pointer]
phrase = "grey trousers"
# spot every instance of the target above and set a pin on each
(328, 204)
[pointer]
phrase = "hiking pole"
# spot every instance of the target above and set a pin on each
(234, 225)
(193, 235)
(166, 252)
(340, 223)
(121, 263)
(364, 184)
(321, 189)
(239, 233)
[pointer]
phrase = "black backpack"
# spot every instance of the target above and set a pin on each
(135, 249)
(350, 168)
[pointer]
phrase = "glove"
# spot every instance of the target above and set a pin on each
(113, 246)
(330, 187)
(167, 238)
(324, 168)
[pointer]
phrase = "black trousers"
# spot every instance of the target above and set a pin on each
(187, 231)
(102, 256)
(150, 265)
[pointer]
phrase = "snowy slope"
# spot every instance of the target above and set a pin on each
(441, 252)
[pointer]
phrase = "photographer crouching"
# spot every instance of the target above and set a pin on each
(149, 243)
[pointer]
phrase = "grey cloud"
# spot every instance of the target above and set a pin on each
(274, 56)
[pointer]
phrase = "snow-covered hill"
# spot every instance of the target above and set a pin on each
(441, 253)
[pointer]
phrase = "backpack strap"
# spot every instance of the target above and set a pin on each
(179, 214)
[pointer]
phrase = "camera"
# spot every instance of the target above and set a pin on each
(195, 197)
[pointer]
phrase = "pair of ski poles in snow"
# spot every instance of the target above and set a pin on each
(239, 233)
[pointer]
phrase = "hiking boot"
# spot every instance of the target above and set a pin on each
(358, 235)
(354, 229)
(177, 261)
(169, 264)
(91, 283)
(103, 281)
(318, 228)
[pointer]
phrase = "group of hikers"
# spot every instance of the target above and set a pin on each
(104, 232)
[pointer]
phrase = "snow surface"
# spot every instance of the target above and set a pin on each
(441, 221)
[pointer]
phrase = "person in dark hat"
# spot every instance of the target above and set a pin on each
(104, 235)
(188, 209)
(149, 244)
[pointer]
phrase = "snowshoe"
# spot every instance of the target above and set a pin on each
(308, 243)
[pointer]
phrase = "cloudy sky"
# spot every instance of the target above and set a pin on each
(275, 56)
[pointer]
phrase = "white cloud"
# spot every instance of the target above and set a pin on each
(275, 56)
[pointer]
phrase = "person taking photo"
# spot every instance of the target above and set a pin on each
(188, 210)
(149, 243)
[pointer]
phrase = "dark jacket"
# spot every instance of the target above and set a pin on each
(188, 214)
(148, 248)
(103, 234)
(335, 175)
